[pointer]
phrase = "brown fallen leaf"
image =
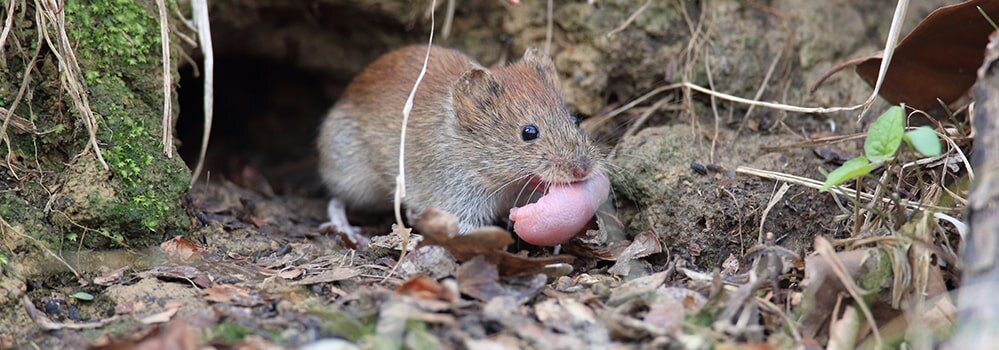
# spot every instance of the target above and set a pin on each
(162, 316)
(182, 249)
(636, 287)
(939, 59)
(644, 244)
(292, 273)
(479, 279)
(423, 287)
(232, 294)
(175, 272)
(175, 336)
(330, 275)
(824, 287)
(110, 277)
(490, 242)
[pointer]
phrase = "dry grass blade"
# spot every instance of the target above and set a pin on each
(815, 184)
(773, 201)
(71, 77)
(400, 180)
(200, 9)
(167, 81)
(824, 248)
(893, 34)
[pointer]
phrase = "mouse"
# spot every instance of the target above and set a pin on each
(479, 141)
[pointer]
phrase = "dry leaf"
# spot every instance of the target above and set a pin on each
(110, 277)
(232, 294)
(330, 275)
(479, 279)
(182, 249)
(423, 287)
(636, 287)
(490, 242)
(291, 273)
(162, 316)
(938, 59)
(176, 336)
(186, 273)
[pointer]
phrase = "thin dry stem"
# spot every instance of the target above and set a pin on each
(630, 19)
(714, 107)
(400, 180)
(200, 9)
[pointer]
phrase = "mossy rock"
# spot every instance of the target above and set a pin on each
(117, 44)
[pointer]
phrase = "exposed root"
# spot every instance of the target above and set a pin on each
(72, 76)
(167, 81)
(200, 9)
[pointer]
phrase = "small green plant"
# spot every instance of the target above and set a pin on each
(884, 138)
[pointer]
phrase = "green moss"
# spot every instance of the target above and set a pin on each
(111, 33)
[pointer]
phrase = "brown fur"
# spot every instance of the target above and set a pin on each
(464, 152)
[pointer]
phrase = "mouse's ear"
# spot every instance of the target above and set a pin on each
(474, 91)
(542, 63)
(477, 82)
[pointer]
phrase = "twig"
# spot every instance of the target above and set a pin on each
(400, 180)
(167, 81)
(759, 91)
(200, 9)
(630, 19)
(4, 226)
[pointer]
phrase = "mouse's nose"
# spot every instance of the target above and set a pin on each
(582, 168)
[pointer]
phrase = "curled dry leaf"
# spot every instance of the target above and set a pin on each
(939, 59)
(182, 249)
(490, 242)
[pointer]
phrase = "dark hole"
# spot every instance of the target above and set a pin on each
(266, 118)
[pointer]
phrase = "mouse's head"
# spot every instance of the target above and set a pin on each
(516, 118)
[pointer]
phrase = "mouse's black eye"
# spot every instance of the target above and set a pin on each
(529, 132)
(575, 120)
